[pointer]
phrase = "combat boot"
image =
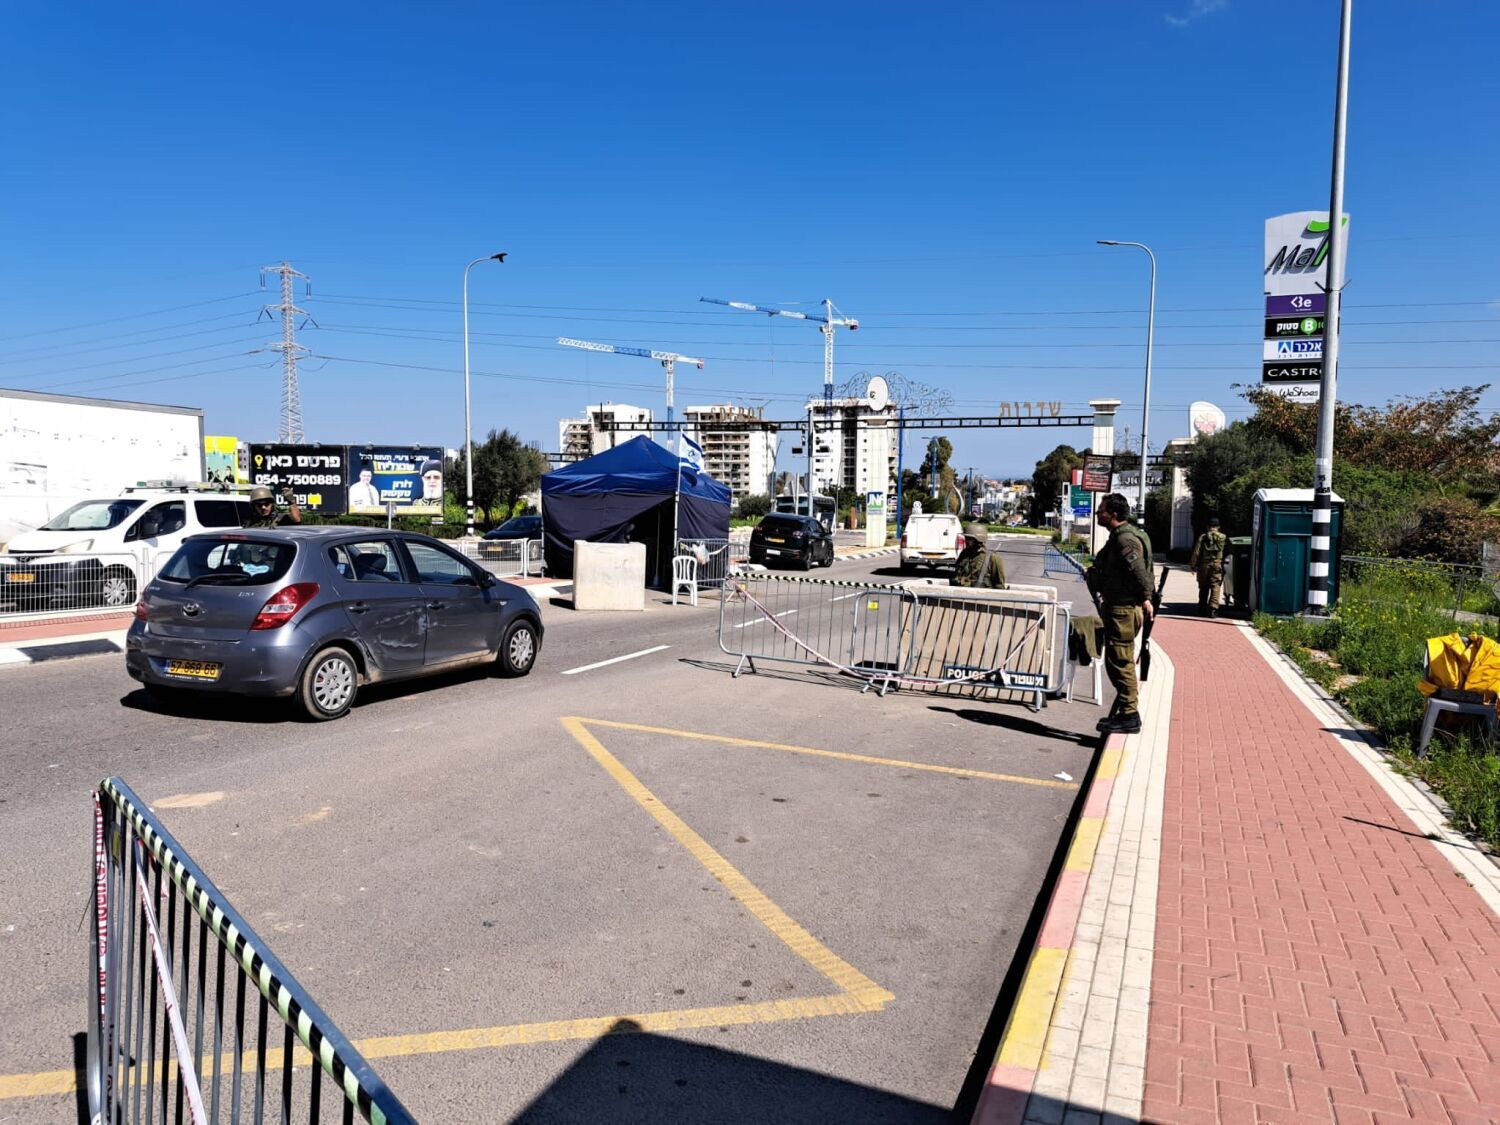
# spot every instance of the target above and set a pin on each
(1128, 722)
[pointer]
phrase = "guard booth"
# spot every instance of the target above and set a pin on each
(1281, 547)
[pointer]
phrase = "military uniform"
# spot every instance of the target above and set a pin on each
(978, 568)
(1208, 561)
(1121, 579)
(272, 519)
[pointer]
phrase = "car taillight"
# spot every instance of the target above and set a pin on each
(140, 610)
(283, 605)
(903, 542)
(799, 535)
(959, 544)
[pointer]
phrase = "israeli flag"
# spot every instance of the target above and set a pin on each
(690, 452)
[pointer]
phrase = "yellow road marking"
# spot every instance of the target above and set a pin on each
(858, 993)
(1085, 843)
(955, 771)
(1026, 1034)
(802, 943)
(1109, 763)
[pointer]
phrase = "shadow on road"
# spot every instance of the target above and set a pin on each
(185, 703)
(634, 1076)
(1018, 724)
(771, 671)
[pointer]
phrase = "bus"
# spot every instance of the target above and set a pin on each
(824, 508)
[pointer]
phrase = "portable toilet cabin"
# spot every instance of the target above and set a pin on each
(1281, 546)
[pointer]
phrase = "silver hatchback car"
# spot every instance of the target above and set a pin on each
(314, 612)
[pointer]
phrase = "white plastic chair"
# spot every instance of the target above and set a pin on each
(685, 573)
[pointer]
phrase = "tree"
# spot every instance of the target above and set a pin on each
(1052, 472)
(753, 507)
(505, 469)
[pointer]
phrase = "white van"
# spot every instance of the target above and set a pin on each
(100, 552)
(931, 540)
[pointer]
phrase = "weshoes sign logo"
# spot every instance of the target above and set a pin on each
(1297, 246)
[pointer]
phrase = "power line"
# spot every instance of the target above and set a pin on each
(131, 316)
(150, 340)
(139, 358)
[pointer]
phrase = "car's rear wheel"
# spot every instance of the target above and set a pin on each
(117, 587)
(329, 683)
(518, 649)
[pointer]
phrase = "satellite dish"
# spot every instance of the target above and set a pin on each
(879, 394)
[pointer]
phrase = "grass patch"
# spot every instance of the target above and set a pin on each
(1368, 657)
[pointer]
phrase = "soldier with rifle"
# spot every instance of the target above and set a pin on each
(1121, 582)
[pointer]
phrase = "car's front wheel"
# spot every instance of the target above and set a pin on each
(518, 649)
(328, 686)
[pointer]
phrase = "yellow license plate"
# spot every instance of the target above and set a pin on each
(20, 577)
(194, 669)
(770, 540)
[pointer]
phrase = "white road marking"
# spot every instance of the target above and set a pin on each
(615, 660)
(759, 620)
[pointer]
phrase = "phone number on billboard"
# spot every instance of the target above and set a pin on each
(300, 478)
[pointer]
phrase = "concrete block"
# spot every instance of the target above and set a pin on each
(609, 576)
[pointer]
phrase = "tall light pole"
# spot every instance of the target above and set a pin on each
(1320, 554)
(468, 427)
(1146, 399)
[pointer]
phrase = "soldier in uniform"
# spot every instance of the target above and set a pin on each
(263, 511)
(1121, 581)
(976, 566)
(1207, 562)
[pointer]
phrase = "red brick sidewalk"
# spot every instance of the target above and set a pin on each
(1316, 959)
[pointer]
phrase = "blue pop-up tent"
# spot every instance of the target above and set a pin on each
(637, 492)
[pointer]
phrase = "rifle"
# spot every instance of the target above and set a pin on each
(1150, 623)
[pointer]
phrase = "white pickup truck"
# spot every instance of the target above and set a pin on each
(931, 540)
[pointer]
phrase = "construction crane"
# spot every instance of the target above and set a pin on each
(828, 323)
(668, 360)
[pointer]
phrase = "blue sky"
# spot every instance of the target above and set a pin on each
(940, 171)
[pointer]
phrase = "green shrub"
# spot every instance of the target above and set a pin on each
(1466, 773)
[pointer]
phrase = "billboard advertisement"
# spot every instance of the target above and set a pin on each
(1096, 472)
(1297, 246)
(315, 473)
(408, 477)
(1296, 257)
(221, 460)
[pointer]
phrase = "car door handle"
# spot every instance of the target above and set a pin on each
(437, 605)
(358, 607)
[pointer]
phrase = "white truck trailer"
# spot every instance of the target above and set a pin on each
(56, 450)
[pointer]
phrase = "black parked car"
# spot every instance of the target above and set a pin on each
(798, 540)
(517, 527)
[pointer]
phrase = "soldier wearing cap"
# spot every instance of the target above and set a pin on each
(1207, 561)
(976, 566)
(263, 511)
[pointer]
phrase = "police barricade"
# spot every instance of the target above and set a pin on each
(505, 558)
(716, 558)
(46, 585)
(191, 1017)
(1004, 645)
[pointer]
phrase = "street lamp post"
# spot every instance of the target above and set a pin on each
(468, 427)
(1146, 400)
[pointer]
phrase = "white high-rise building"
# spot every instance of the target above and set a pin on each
(578, 438)
(859, 452)
(742, 459)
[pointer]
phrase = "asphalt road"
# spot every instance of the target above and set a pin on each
(460, 855)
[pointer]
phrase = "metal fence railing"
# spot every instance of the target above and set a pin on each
(191, 1017)
(1459, 590)
(48, 584)
(993, 644)
(716, 558)
(505, 558)
(1055, 561)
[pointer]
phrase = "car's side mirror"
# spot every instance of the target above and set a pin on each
(487, 580)
(149, 527)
